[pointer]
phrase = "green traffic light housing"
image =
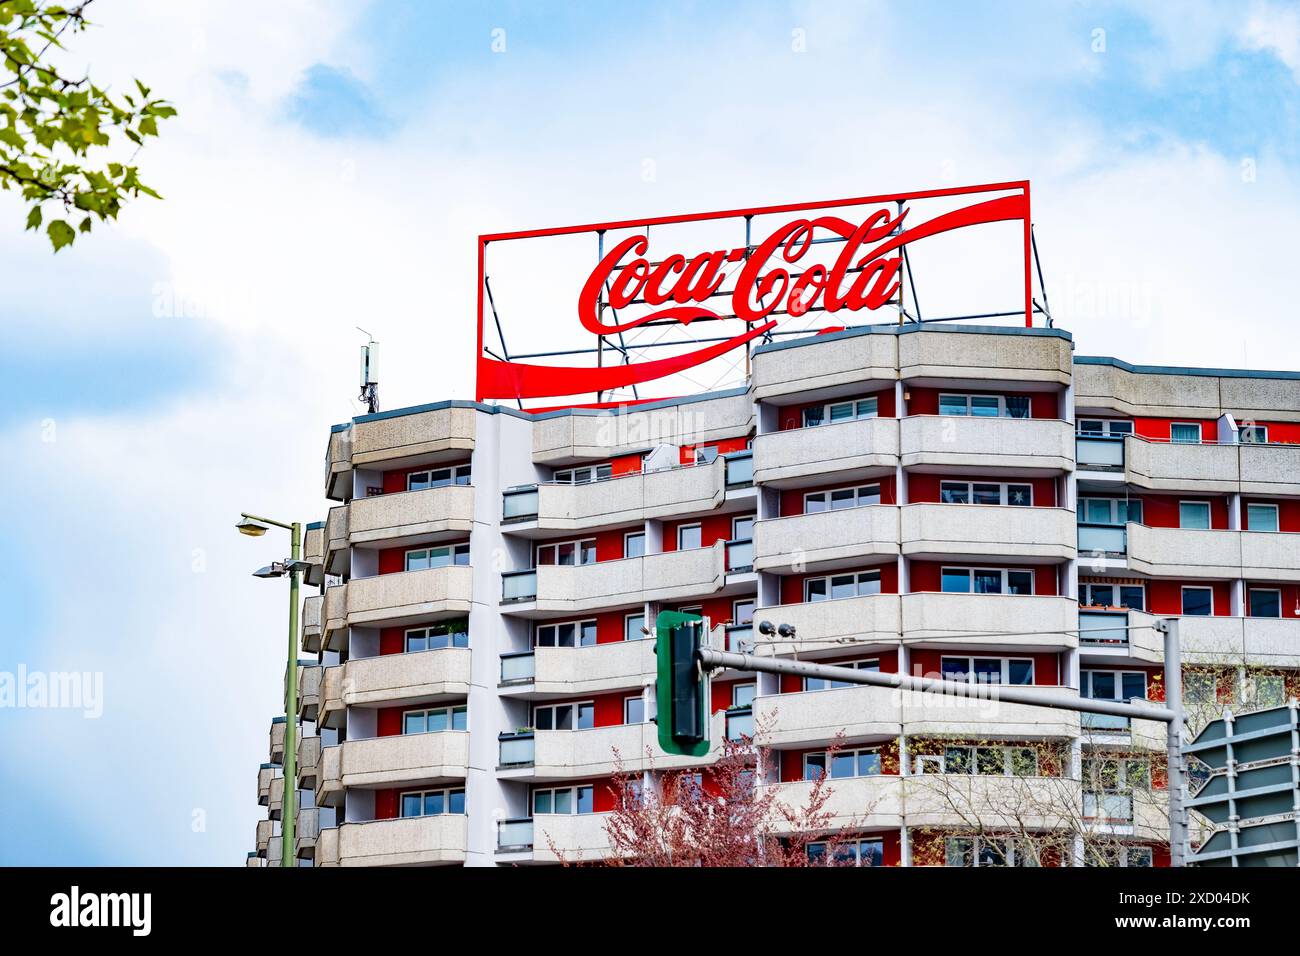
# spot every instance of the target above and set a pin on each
(682, 687)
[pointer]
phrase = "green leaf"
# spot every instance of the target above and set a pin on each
(148, 126)
(34, 218)
(85, 225)
(10, 135)
(60, 234)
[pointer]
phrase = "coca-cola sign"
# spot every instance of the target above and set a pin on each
(786, 272)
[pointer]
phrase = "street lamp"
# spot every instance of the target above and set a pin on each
(255, 527)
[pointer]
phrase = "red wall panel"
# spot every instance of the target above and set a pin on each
(792, 498)
(793, 683)
(1158, 428)
(923, 488)
(725, 446)
(927, 575)
(926, 663)
(1166, 597)
(792, 584)
(925, 401)
(713, 529)
(1161, 511)
(791, 416)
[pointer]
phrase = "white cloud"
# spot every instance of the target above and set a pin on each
(1274, 28)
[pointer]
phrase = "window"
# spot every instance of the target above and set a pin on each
(864, 852)
(742, 611)
(1132, 596)
(1200, 687)
(566, 634)
(435, 720)
(821, 683)
(689, 536)
(584, 475)
(742, 528)
(579, 716)
(838, 498)
(565, 800)
(634, 710)
(846, 411)
(1186, 432)
(1264, 602)
(1104, 426)
(567, 552)
(1253, 434)
(987, 581)
(1109, 784)
(1113, 685)
(1116, 511)
(1261, 517)
(634, 544)
(632, 627)
(438, 477)
(983, 851)
(985, 406)
(841, 586)
(988, 670)
(1198, 601)
(1264, 690)
(436, 636)
(1194, 514)
(706, 454)
(985, 493)
(844, 763)
(421, 559)
(432, 803)
(985, 761)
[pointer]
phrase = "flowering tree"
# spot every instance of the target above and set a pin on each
(718, 818)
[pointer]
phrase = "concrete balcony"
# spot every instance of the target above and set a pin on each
(392, 520)
(574, 671)
(597, 434)
(417, 677)
(1025, 446)
(337, 555)
(842, 451)
(392, 599)
(306, 832)
(404, 841)
(276, 740)
(1119, 637)
(1271, 556)
(1105, 732)
(309, 676)
(275, 798)
(327, 848)
(332, 708)
(570, 837)
(1175, 466)
(338, 463)
(313, 552)
(958, 354)
(984, 718)
(987, 532)
(820, 625)
(265, 834)
(1134, 393)
(852, 803)
(311, 622)
(1269, 469)
(1234, 641)
(398, 440)
(404, 760)
(627, 499)
(1019, 620)
(265, 774)
(308, 762)
(254, 860)
(1186, 552)
(329, 777)
(827, 540)
(975, 801)
(597, 752)
(824, 367)
(813, 718)
(669, 576)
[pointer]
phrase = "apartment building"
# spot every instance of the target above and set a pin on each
(963, 501)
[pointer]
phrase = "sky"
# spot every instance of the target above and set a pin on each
(330, 168)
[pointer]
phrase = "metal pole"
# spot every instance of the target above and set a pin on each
(289, 808)
(1178, 826)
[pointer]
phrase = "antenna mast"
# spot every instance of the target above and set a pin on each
(369, 377)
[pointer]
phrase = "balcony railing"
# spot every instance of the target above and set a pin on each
(515, 834)
(517, 750)
(740, 556)
(518, 668)
(1107, 723)
(740, 638)
(740, 723)
(1111, 807)
(519, 585)
(519, 504)
(1099, 452)
(740, 469)
(1102, 539)
(1099, 629)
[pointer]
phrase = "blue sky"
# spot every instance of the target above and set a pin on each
(331, 167)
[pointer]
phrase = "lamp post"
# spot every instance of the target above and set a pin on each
(255, 527)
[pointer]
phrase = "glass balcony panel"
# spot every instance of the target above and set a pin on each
(515, 835)
(517, 750)
(1109, 630)
(521, 503)
(517, 667)
(519, 586)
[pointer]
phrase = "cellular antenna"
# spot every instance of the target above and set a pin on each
(369, 378)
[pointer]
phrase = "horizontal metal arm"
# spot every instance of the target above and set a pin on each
(711, 659)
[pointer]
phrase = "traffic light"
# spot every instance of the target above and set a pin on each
(682, 689)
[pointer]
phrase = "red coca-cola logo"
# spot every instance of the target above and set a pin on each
(773, 277)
